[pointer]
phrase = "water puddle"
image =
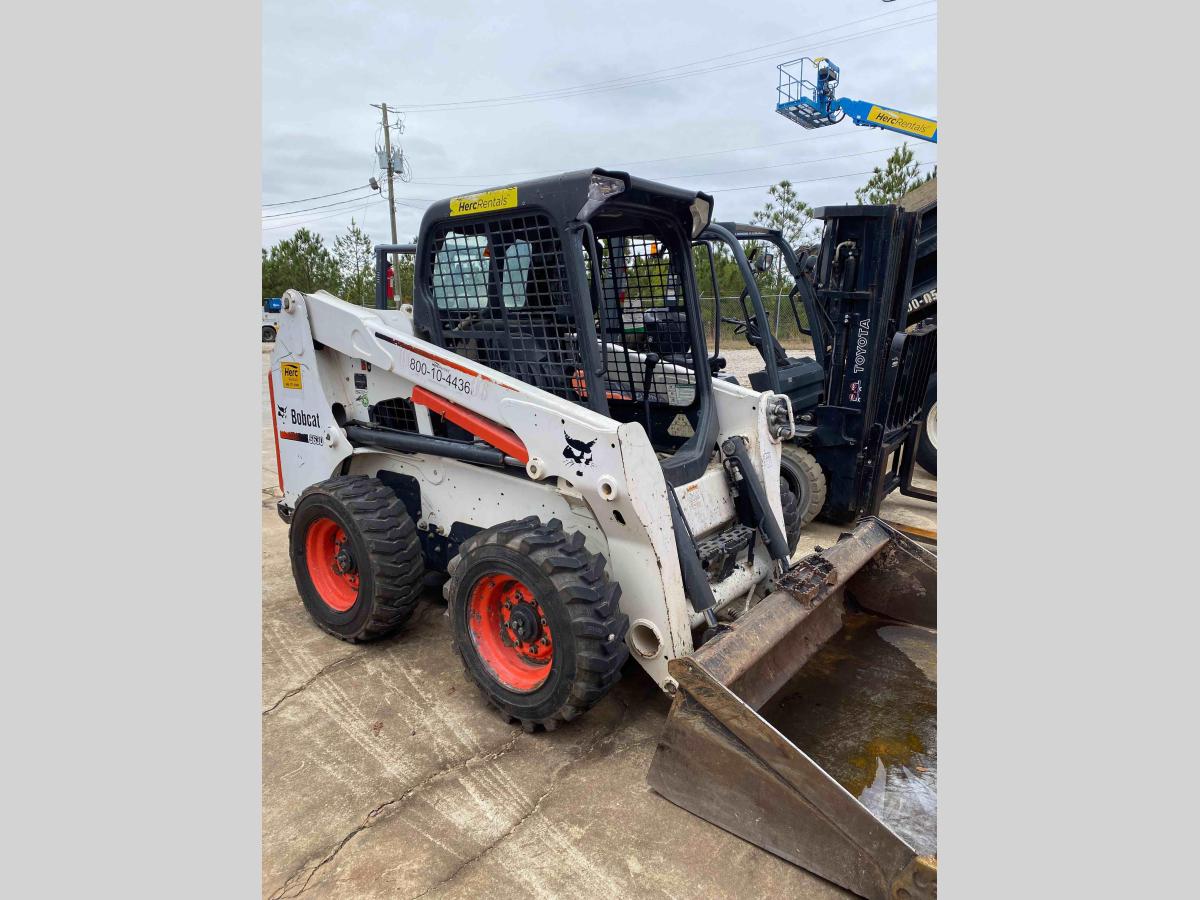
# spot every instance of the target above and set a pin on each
(864, 708)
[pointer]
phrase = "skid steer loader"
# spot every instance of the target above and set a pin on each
(534, 430)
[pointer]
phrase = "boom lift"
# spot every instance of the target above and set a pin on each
(810, 100)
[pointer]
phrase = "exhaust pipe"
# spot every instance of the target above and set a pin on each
(809, 728)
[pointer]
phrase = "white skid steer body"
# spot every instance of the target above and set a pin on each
(334, 360)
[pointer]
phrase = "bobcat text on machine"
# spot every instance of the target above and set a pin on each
(539, 426)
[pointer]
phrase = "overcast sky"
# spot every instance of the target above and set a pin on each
(325, 63)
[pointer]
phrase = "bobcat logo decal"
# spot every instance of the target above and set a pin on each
(282, 411)
(579, 452)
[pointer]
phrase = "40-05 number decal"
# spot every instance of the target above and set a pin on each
(433, 371)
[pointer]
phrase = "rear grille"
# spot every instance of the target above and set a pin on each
(907, 380)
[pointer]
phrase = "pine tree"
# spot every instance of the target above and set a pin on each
(899, 175)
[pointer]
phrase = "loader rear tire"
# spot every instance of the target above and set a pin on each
(927, 442)
(791, 516)
(536, 620)
(804, 478)
(268, 334)
(356, 557)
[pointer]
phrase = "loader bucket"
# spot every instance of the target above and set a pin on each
(809, 727)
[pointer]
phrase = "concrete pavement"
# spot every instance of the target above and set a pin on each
(386, 775)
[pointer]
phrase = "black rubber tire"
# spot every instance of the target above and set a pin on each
(791, 515)
(384, 544)
(582, 609)
(805, 478)
(268, 334)
(926, 451)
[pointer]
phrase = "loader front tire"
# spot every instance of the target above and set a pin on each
(356, 557)
(536, 620)
(804, 478)
(791, 516)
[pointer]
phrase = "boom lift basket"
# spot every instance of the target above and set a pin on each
(809, 727)
(806, 91)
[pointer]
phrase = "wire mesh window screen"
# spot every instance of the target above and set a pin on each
(645, 312)
(501, 291)
(396, 412)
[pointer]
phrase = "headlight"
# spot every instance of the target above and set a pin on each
(701, 215)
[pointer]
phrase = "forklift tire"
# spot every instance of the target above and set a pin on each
(268, 334)
(536, 620)
(927, 443)
(804, 477)
(356, 557)
(791, 516)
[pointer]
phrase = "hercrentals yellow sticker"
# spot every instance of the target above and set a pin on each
(488, 201)
(289, 374)
(903, 121)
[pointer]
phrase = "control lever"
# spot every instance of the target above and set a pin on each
(649, 364)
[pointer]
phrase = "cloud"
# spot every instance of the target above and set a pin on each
(326, 62)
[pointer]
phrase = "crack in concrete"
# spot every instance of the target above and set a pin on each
(374, 814)
(324, 670)
(537, 804)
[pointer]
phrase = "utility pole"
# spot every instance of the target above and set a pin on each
(391, 169)
(391, 175)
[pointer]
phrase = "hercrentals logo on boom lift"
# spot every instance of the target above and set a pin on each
(902, 121)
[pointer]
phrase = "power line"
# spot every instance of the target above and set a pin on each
(349, 200)
(318, 197)
(741, 188)
(614, 83)
(409, 202)
(747, 187)
(634, 162)
(579, 93)
(332, 215)
(801, 162)
(642, 162)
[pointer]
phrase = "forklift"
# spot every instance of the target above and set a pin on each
(867, 297)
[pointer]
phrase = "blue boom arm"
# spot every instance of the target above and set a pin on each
(811, 102)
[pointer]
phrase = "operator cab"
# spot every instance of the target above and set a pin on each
(581, 285)
(801, 378)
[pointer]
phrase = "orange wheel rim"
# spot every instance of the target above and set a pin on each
(331, 565)
(509, 630)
